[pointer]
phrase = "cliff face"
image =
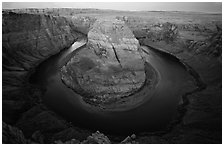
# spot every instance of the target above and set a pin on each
(28, 40)
(196, 41)
(180, 33)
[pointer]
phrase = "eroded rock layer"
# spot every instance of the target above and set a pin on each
(201, 124)
(27, 40)
(110, 67)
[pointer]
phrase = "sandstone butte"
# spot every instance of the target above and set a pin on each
(110, 67)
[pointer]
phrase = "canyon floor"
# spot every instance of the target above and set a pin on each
(31, 36)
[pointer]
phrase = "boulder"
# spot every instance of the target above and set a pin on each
(97, 138)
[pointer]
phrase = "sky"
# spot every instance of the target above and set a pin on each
(210, 7)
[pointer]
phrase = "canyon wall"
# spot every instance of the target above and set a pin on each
(195, 39)
(28, 40)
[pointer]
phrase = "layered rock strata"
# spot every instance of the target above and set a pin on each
(202, 122)
(27, 40)
(111, 65)
(197, 43)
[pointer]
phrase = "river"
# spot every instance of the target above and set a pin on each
(152, 115)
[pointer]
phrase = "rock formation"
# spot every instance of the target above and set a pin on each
(12, 135)
(39, 118)
(97, 138)
(110, 67)
(196, 42)
(28, 39)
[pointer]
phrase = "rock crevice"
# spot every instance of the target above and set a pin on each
(116, 68)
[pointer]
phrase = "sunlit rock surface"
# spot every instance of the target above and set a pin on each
(110, 67)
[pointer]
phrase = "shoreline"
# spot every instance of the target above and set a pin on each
(200, 85)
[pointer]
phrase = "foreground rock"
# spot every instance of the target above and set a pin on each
(70, 133)
(110, 67)
(97, 138)
(39, 118)
(12, 135)
(130, 140)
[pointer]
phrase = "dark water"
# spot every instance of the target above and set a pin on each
(152, 115)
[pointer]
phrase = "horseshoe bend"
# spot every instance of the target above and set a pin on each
(110, 68)
(104, 76)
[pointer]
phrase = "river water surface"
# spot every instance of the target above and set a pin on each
(152, 115)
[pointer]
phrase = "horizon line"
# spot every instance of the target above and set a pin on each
(113, 10)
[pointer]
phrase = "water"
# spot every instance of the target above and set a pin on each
(152, 115)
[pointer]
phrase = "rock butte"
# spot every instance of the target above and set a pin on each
(109, 67)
